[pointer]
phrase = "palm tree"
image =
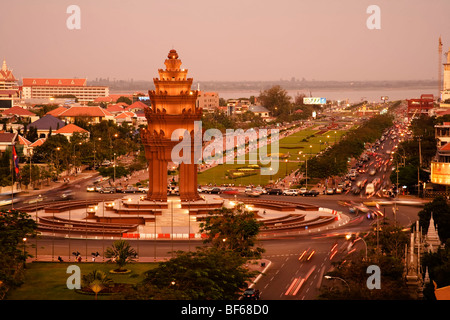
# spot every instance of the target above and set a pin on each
(121, 253)
(97, 280)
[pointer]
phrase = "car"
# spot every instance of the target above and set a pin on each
(302, 191)
(253, 193)
(306, 255)
(290, 192)
(130, 189)
(311, 193)
(230, 191)
(261, 190)
(215, 191)
(275, 191)
(251, 294)
(67, 195)
(372, 172)
(90, 188)
(119, 189)
(98, 188)
(108, 190)
(330, 191)
(143, 189)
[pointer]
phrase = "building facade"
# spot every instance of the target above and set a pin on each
(9, 89)
(440, 166)
(39, 88)
(208, 101)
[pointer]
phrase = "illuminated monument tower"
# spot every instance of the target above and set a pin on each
(173, 107)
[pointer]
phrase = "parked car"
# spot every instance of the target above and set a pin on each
(302, 191)
(98, 188)
(130, 189)
(119, 189)
(215, 190)
(143, 189)
(290, 192)
(311, 193)
(275, 191)
(108, 190)
(90, 188)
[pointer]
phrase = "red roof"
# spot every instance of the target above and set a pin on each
(30, 82)
(137, 105)
(103, 99)
(445, 147)
(70, 128)
(86, 112)
(24, 141)
(56, 112)
(125, 115)
(114, 108)
(18, 111)
(38, 142)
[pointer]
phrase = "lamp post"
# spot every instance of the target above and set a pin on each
(306, 171)
(114, 179)
(286, 161)
(24, 240)
(330, 277)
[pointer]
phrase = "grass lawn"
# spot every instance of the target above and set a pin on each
(47, 280)
(291, 145)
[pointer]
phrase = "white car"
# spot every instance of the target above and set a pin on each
(302, 191)
(290, 192)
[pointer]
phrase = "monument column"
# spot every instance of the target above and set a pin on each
(173, 107)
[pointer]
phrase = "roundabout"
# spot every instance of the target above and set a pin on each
(134, 217)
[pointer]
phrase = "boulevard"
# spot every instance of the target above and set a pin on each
(294, 264)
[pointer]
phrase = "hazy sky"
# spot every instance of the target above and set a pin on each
(227, 39)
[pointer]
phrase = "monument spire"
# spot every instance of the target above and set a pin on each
(173, 108)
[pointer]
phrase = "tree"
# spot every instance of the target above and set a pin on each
(25, 174)
(15, 226)
(438, 264)
(96, 280)
(204, 274)
(121, 253)
(5, 167)
(233, 229)
(276, 100)
(125, 100)
(441, 216)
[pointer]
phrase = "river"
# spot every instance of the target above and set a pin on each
(353, 96)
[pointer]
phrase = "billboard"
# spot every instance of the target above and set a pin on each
(314, 100)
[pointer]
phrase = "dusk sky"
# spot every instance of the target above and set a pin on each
(226, 40)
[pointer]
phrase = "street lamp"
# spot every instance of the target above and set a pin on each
(286, 161)
(114, 180)
(24, 256)
(330, 277)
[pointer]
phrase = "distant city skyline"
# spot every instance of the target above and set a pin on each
(245, 40)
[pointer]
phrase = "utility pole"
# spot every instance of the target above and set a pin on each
(420, 165)
(440, 66)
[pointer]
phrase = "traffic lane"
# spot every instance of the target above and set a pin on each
(289, 278)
